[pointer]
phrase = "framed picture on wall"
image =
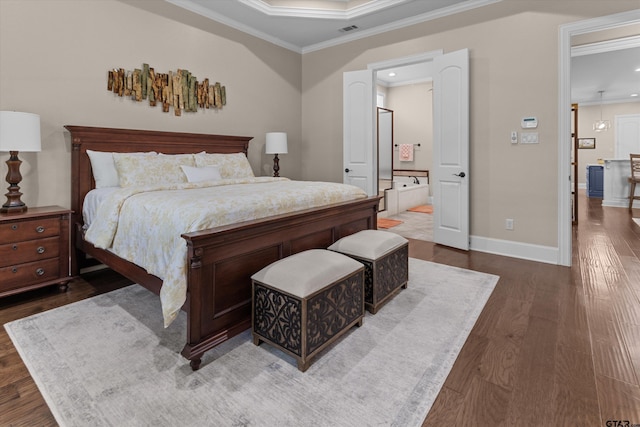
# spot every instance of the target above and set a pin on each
(586, 143)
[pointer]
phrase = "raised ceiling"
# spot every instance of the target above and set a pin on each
(309, 25)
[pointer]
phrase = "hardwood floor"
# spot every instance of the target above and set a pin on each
(553, 346)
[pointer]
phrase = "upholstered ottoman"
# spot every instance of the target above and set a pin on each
(385, 256)
(304, 302)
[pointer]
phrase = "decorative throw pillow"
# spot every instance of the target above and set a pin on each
(231, 166)
(205, 173)
(104, 169)
(145, 170)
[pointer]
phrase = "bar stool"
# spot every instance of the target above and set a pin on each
(634, 178)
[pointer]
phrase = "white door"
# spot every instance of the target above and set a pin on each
(627, 136)
(450, 170)
(359, 148)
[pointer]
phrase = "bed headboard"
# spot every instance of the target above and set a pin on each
(85, 138)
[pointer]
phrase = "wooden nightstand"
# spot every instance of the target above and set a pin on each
(34, 249)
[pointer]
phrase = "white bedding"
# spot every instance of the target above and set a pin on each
(92, 200)
(144, 224)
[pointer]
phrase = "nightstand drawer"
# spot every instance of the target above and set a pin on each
(20, 275)
(30, 250)
(28, 230)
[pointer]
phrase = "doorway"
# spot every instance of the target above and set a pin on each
(564, 121)
(405, 87)
(449, 178)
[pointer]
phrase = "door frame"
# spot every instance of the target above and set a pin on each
(564, 118)
(407, 60)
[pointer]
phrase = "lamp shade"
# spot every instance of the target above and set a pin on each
(276, 143)
(19, 131)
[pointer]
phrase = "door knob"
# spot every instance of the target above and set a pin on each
(461, 174)
(346, 170)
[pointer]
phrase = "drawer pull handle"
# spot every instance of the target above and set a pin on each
(14, 270)
(40, 249)
(14, 226)
(40, 271)
(14, 247)
(40, 229)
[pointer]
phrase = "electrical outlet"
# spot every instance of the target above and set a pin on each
(508, 224)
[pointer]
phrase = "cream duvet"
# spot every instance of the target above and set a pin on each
(143, 224)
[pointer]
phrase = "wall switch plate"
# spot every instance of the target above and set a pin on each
(529, 138)
(508, 224)
(514, 137)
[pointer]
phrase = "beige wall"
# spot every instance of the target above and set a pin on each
(413, 123)
(54, 57)
(605, 141)
(507, 83)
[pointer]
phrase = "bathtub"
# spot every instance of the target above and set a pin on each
(407, 181)
(405, 195)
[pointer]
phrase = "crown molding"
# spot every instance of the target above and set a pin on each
(360, 34)
(207, 13)
(318, 13)
(606, 46)
(429, 16)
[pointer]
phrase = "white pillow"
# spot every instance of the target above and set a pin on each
(147, 170)
(205, 173)
(104, 169)
(231, 165)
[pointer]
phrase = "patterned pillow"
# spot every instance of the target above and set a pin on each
(146, 170)
(104, 169)
(231, 166)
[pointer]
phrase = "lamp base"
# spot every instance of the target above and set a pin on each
(276, 166)
(13, 204)
(13, 209)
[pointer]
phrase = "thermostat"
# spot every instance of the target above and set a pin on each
(529, 122)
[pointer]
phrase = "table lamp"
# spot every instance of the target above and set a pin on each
(18, 132)
(276, 144)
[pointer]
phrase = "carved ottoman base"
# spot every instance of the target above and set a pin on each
(304, 302)
(385, 256)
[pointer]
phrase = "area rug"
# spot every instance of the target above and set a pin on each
(422, 208)
(637, 221)
(388, 223)
(108, 360)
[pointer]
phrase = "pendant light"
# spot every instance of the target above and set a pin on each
(601, 125)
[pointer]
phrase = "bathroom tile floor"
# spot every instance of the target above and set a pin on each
(415, 225)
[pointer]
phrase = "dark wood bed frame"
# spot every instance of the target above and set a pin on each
(221, 260)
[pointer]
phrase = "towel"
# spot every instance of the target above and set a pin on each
(406, 152)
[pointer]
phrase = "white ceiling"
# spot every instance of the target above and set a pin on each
(609, 67)
(307, 25)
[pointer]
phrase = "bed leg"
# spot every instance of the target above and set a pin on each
(195, 363)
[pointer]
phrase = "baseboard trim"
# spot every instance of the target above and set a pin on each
(620, 203)
(539, 253)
